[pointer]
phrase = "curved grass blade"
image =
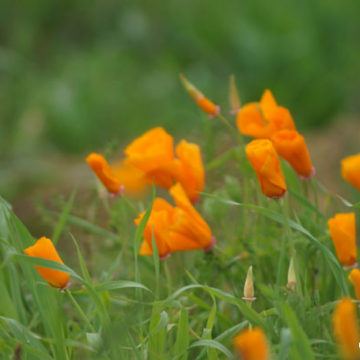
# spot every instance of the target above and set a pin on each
(120, 284)
(214, 345)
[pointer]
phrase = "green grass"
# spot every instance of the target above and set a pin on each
(124, 306)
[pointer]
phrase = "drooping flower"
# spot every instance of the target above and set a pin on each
(354, 278)
(346, 329)
(151, 158)
(266, 164)
(343, 233)
(119, 177)
(350, 170)
(175, 228)
(291, 146)
(204, 103)
(45, 249)
(104, 172)
(264, 119)
(252, 345)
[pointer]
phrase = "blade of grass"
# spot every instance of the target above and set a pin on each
(182, 336)
(214, 345)
(120, 284)
(63, 218)
(87, 226)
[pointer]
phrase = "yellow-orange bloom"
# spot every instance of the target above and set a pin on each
(343, 233)
(291, 146)
(104, 172)
(264, 119)
(354, 278)
(346, 329)
(132, 180)
(153, 153)
(205, 104)
(350, 170)
(252, 345)
(118, 178)
(266, 164)
(188, 169)
(175, 228)
(45, 249)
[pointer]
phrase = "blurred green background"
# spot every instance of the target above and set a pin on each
(76, 76)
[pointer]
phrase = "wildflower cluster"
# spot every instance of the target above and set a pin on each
(153, 160)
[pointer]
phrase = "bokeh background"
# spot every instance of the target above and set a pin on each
(81, 76)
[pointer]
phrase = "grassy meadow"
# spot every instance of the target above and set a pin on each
(120, 305)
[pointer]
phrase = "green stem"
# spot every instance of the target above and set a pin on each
(284, 204)
(79, 309)
(168, 278)
(306, 189)
(130, 205)
(232, 129)
(315, 191)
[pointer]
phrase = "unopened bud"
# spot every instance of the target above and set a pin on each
(235, 103)
(205, 104)
(249, 286)
(291, 275)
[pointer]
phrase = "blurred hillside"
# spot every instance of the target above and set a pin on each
(77, 76)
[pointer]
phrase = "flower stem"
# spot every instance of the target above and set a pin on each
(231, 128)
(79, 309)
(284, 204)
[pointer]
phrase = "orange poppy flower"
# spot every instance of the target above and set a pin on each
(120, 177)
(132, 180)
(175, 228)
(188, 169)
(291, 146)
(263, 119)
(354, 278)
(343, 233)
(153, 153)
(205, 104)
(45, 249)
(346, 329)
(252, 345)
(104, 172)
(350, 170)
(266, 164)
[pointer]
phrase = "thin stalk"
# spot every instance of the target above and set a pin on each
(315, 191)
(232, 129)
(249, 304)
(306, 189)
(284, 204)
(79, 309)
(168, 278)
(130, 205)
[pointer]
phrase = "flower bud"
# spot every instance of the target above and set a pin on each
(205, 104)
(249, 286)
(235, 103)
(291, 278)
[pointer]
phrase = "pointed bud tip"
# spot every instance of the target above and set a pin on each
(249, 284)
(234, 98)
